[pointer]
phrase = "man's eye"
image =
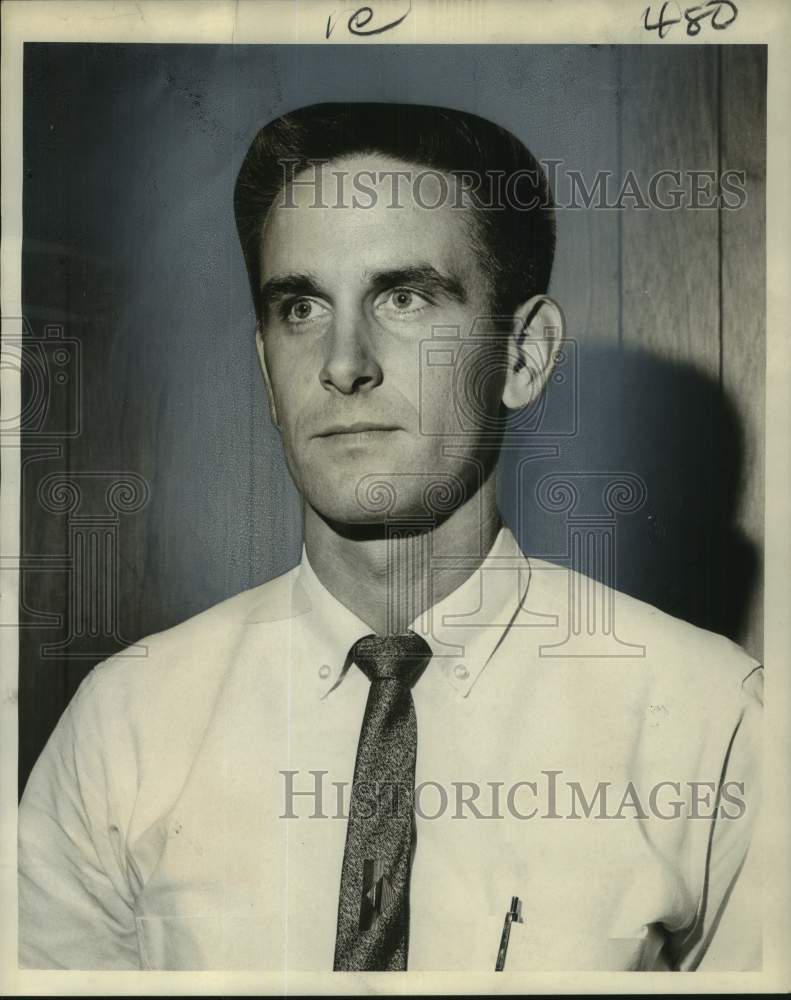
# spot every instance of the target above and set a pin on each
(402, 302)
(302, 310)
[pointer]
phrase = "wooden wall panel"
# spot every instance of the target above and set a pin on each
(743, 304)
(700, 350)
(587, 259)
(670, 259)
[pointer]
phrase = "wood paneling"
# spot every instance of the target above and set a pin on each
(743, 307)
(670, 259)
(693, 285)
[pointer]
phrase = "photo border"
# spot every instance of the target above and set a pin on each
(463, 21)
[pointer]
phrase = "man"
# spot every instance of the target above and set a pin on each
(367, 762)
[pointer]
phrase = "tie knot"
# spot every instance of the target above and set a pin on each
(401, 657)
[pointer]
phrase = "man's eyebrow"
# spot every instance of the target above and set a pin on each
(288, 284)
(422, 275)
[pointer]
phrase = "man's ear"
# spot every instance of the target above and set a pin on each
(533, 341)
(259, 346)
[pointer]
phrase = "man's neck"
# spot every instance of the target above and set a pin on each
(387, 580)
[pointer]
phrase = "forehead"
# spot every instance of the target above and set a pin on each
(354, 214)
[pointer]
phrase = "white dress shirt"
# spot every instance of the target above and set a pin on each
(157, 830)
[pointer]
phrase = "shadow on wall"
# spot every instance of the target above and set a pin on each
(669, 434)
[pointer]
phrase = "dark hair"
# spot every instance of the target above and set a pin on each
(516, 244)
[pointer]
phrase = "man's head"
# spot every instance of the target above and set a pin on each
(388, 293)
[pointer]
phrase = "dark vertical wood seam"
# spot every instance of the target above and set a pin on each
(720, 266)
(619, 161)
(719, 556)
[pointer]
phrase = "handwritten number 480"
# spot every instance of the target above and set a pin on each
(721, 14)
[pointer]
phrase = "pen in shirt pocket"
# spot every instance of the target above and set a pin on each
(514, 915)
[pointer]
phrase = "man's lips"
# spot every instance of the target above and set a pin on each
(360, 427)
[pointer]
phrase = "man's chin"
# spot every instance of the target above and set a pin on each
(357, 497)
(378, 507)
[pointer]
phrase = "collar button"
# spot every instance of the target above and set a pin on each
(324, 671)
(461, 672)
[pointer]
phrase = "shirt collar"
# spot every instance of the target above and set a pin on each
(463, 629)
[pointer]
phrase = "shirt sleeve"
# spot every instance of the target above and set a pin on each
(76, 909)
(727, 935)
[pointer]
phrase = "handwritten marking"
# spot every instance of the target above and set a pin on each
(359, 20)
(721, 13)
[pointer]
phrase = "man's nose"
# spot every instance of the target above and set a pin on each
(350, 364)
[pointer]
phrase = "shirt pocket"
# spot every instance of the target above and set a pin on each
(534, 948)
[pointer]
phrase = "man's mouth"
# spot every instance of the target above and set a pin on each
(360, 427)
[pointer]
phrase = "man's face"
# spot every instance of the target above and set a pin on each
(349, 295)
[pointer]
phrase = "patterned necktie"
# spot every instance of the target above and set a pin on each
(373, 909)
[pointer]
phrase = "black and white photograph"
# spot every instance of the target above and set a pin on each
(393, 507)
